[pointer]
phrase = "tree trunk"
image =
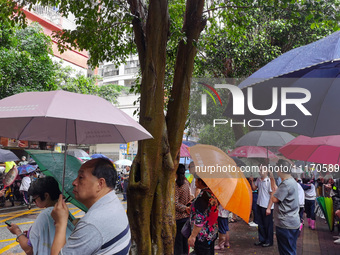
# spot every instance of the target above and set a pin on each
(151, 199)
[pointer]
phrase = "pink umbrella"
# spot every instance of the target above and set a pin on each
(252, 152)
(325, 150)
(60, 116)
(184, 151)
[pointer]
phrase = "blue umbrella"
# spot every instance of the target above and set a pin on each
(299, 61)
(314, 67)
(98, 155)
(26, 169)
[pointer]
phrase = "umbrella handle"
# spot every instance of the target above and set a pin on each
(323, 190)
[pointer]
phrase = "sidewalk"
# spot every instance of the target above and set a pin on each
(310, 242)
(243, 237)
(9, 208)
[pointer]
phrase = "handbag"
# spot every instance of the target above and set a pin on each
(186, 229)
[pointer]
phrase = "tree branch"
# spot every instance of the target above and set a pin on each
(137, 10)
(180, 94)
(241, 7)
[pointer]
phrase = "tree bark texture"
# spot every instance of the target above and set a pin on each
(151, 193)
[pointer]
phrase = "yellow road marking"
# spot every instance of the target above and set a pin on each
(74, 213)
(7, 240)
(19, 214)
(22, 223)
(8, 247)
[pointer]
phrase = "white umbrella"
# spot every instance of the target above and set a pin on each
(123, 162)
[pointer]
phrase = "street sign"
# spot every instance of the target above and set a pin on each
(123, 146)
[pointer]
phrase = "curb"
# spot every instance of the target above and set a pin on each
(8, 209)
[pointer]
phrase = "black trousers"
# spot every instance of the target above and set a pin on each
(181, 243)
(265, 225)
(204, 248)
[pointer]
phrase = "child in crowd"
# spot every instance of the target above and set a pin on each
(223, 229)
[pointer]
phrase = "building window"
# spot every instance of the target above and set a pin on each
(110, 70)
(131, 67)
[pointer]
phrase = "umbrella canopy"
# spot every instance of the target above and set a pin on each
(189, 143)
(324, 149)
(299, 59)
(6, 155)
(230, 187)
(184, 151)
(26, 169)
(326, 205)
(78, 153)
(252, 152)
(264, 138)
(98, 155)
(123, 162)
(314, 67)
(10, 177)
(60, 116)
(189, 177)
(51, 164)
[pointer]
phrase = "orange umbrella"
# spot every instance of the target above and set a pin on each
(224, 178)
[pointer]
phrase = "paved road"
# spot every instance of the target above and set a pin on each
(23, 217)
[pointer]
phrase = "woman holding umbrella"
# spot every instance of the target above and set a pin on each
(39, 238)
(203, 219)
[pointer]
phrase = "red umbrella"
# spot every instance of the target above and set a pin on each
(184, 151)
(252, 152)
(325, 150)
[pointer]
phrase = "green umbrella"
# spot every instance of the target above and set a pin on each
(51, 163)
(326, 205)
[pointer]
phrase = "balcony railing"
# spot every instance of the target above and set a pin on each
(48, 13)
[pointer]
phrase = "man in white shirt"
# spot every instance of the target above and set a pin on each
(25, 185)
(264, 207)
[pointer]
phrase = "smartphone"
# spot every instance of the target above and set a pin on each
(189, 204)
(8, 223)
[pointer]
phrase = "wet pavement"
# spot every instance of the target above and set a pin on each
(310, 242)
(242, 237)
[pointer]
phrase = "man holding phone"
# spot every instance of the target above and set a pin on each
(105, 228)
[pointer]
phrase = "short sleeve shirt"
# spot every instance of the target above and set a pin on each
(204, 213)
(264, 190)
(286, 211)
(41, 234)
(103, 230)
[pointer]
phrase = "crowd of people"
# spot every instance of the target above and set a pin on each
(279, 202)
(18, 191)
(202, 223)
(98, 232)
